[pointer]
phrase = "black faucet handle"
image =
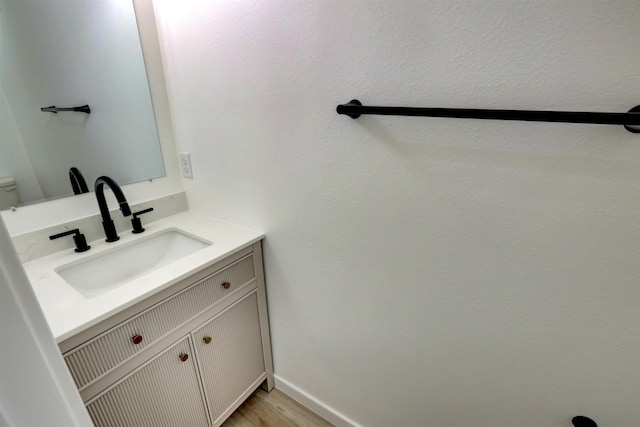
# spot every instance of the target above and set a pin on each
(78, 239)
(136, 222)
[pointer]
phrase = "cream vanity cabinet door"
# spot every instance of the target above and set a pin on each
(229, 352)
(164, 391)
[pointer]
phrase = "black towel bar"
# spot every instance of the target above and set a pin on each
(630, 120)
(54, 109)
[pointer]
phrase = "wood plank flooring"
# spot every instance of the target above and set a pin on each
(274, 409)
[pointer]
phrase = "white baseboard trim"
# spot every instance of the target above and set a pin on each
(313, 404)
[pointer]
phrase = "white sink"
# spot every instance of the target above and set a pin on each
(103, 272)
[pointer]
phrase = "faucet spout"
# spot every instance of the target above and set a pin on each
(78, 184)
(107, 223)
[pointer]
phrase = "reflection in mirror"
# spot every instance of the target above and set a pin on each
(71, 53)
(78, 183)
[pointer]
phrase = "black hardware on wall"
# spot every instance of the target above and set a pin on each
(630, 120)
(53, 109)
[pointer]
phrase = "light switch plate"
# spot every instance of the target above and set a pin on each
(185, 165)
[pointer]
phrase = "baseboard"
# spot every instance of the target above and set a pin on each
(313, 404)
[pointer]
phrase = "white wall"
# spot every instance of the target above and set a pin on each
(427, 272)
(36, 388)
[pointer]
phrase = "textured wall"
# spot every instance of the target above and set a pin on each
(427, 272)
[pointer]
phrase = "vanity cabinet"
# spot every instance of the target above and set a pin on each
(187, 355)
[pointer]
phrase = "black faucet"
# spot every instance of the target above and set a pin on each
(107, 222)
(78, 184)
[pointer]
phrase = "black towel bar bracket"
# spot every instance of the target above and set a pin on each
(53, 109)
(582, 421)
(630, 120)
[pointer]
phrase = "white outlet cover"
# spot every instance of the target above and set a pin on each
(185, 165)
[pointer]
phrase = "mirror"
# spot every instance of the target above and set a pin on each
(69, 53)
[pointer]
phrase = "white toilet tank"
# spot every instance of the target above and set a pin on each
(8, 193)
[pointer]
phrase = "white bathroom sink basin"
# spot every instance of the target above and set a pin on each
(103, 272)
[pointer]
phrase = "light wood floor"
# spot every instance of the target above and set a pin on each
(274, 409)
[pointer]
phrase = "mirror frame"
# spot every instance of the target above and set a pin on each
(41, 215)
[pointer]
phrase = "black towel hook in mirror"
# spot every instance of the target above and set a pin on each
(53, 109)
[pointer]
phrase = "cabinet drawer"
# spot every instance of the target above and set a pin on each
(96, 357)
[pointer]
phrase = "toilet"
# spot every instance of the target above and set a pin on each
(8, 193)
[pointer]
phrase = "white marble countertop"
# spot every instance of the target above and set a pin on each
(68, 312)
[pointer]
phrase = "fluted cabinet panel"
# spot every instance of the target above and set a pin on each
(162, 393)
(233, 360)
(94, 358)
